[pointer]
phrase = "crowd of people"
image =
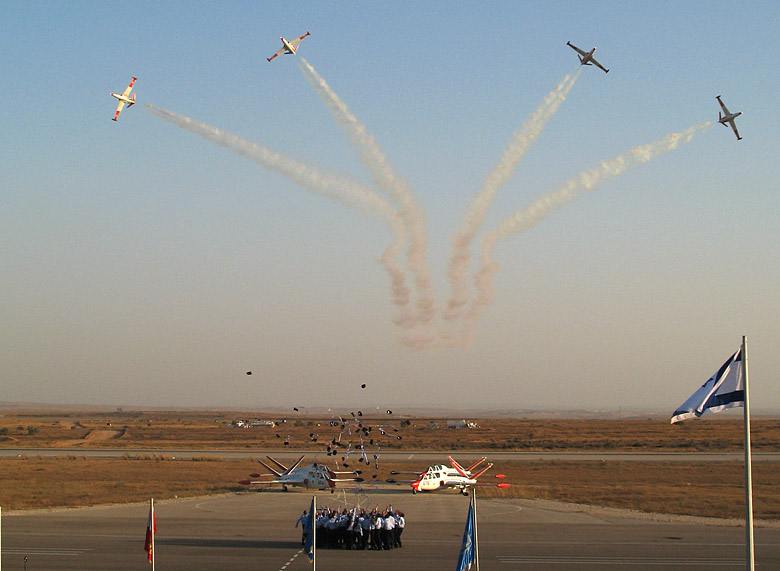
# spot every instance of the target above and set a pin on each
(355, 528)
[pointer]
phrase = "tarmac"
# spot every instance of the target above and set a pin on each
(256, 530)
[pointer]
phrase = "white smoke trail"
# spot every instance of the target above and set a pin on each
(522, 140)
(339, 187)
(389, 182)
(527, 218)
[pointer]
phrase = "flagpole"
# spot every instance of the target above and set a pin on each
(151, 508)
(476, 533)
(750, 555)
(314, 533)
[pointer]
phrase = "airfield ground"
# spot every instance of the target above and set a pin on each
(688, 486)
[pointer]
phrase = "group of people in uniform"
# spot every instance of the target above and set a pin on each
(355, 528)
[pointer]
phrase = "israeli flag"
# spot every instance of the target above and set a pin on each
(468, 549)
(725, 389)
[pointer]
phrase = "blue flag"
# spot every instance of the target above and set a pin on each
(725, 389)
(308, 529)
(468, 549)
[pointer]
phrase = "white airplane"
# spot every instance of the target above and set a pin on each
(312, 476)
(586, 58)
(124, 98)
(288, 47)
(440, 476)
(726, 117)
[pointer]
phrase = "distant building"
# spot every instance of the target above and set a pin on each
(461, 424)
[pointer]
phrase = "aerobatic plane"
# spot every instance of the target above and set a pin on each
(586, 58)
(725, 118)
(124, 98)
(439, 477)
(288, 47)
(315, 476)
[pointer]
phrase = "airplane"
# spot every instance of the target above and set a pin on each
(311, 476)
(124, 98)
(439, 476)
(586, 58)
(727, 117)
(288, 47)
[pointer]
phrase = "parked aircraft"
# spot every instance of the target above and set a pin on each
(728, 118)
(314, 475)
(289, 47)
(440, 476)
(586, 58)
(124, 98)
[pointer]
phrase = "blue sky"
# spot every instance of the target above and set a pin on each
(143, 265)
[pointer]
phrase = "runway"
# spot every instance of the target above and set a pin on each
(393, 455)
(255, 530)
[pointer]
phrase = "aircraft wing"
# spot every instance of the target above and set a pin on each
(119, 109)
(255, 482)
(297, 41)
(723, 106)
(734, 128)
(576, 49)
(598, 65)
(280, 52)
(129, 88)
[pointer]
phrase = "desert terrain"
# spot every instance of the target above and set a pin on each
(686, 486)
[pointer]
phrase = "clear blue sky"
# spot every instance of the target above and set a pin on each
(143, 265)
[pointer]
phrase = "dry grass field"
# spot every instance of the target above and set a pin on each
(692, 488)
(198, 430)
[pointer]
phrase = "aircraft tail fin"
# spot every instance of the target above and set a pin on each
(457, 467)
(477, 463)
(482, 471)
(275, 472)
(294, 465)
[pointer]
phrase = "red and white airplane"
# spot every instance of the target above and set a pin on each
(124, 98)
(314, 475)
(586, 58)
(289, 47)
(440, 476)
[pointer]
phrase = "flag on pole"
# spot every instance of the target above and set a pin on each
(468, 549)
(151, 529)
(725, 389)
(308, 529)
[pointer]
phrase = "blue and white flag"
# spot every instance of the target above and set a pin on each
(468, 549)
(725, 389)
(308, 528)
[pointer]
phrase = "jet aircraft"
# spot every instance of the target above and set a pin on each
(124, 98)
(586, 58)
(288, 47)
(439, 476)
(725, 118)
(314, 475)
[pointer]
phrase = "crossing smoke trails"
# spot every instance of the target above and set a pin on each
(527, 218)
(390, 183)
(501, 173)
(406, 220)
(338, 187)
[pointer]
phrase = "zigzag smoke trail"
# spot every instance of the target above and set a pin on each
(522, 140)
(339, 187)
(527, 218)
(389, 182)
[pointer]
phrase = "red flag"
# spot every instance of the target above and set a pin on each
(151, 529)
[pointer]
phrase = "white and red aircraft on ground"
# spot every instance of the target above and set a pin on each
(124, 98)
(314, 475)
(289, 47)
(440, 476)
